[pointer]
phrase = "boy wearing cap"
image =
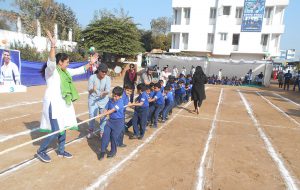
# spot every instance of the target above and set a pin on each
(98, 88)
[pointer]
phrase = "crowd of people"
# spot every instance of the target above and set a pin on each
(285, 79)
(154, 102)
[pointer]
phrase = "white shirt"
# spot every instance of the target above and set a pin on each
(175, 72)
(220, 75)
(183, 71)
(164, 76)
(7, 72)
(65, 114)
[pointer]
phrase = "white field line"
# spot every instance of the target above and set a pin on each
(17, 117)
(236, 122)
(288, 179)
(201, 177)
(103, 178)
(286, 99)
(24, 163)
(36, 128)
(27, 162)
(28, 103)
(278, 109)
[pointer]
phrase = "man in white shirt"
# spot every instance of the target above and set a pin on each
(220, 76)
(9, 73)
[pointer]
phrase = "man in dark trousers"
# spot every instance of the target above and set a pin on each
(287, 78)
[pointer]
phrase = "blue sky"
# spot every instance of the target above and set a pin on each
(144, 10)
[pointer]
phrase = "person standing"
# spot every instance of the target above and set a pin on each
(297, 81)
(280, 79)
(183, 71)
(131, 78)
(10, 74)
(147, 77)
(220, 76)
(287, 78)
(98, 88)
(198, 89)
(58, 111)
(175, 72)
(164, 75)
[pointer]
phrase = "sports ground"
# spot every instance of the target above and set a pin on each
(243, 138)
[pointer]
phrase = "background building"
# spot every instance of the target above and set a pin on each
(215, 27)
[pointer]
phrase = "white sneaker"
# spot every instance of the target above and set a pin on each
(90, 135)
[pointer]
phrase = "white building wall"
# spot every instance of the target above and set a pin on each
(249, 42)
(38, 42)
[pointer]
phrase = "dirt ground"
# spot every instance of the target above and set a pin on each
(224, 141)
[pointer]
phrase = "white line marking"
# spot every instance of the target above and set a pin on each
(278, 109)
(201, 177)
(12, 118)
(25, 163)
(103, 178)
(36, 128)
(236, 122)
(28, 103)
(286, 99)
(289, 181)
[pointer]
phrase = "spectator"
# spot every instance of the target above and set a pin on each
(287, 78)
(280, 79)
(130, 78)
(147, 77)
(175, 72)
(297, 81)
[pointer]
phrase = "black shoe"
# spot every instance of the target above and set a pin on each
(101, 155)
(122, 145)
(140, 137)
(133, 137)
(110, 155)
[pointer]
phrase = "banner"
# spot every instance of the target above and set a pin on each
(253, 15)
(14, 57)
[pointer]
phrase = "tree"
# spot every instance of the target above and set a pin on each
(47, 12)
(161, 38)
(113, 34)
(161, 25)
(4, 25)
(146, 39)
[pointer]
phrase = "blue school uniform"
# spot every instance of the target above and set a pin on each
(151, 106)
(125, 102)
(169, 105)
(158, 106)
(114, 125)
(139, 119)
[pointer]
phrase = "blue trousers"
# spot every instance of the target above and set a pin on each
(157, 110)
(121, 136)
(48, 140)
(166, 110)
(111, 133)
(150, 113)
(139, 121)
(94, 110)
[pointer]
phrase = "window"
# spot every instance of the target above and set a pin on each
(223, 36)
(210, 38)
(264, 39)
(226, 10)
(238, 12)
(187, 12)
(235, 39)
(268, 12)
(213, 13)
(185, 40)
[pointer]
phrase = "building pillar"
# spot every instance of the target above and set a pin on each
(38, 28)
(55, 31)
(70, 34)
(19, 25)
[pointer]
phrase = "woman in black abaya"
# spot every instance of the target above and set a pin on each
(198, 89)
